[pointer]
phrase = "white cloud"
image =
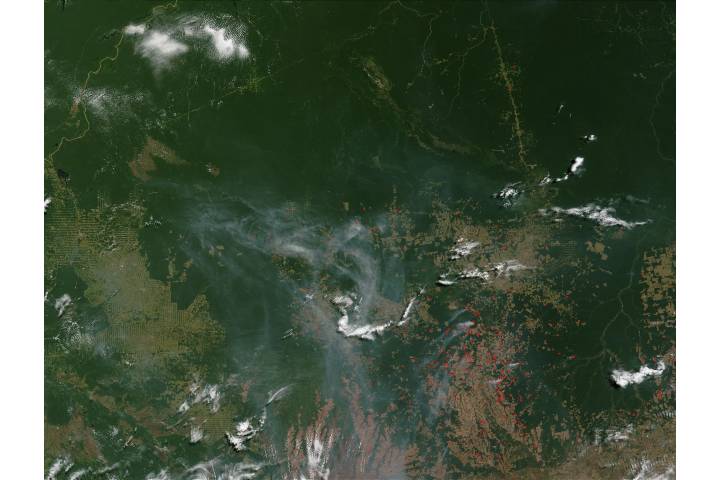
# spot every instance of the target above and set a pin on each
(161, 475)
(239, 471)
(619, 435)
(244, 432)
(209, 394)
(243, 51)
(445, 281)
(196, 434)
(226, 47)
(462, 248)
(500, 269)
(475, 272)
(408, 308)
(573, 169)
(160, 49)
(507, 267)
(79, 474)
(647, 471)
(132, 29)
(110, 106)
(576, 164)
(601, 215)
(57, 466)
(278, 394)
(62, 303)
(366, 332)
(623, 378)
(220, 39)
(509, 193)
(318, 455)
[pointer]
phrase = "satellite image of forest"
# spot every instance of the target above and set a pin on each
(359, 240)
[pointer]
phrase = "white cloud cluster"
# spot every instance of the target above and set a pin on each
(647, 471)
(245, 431)
(161, 47)
(161, 475)
(196, 434)
(576, 165)
(366, 332)
(623, 378)
(475, 272)
(109, 105)
(500, 269)
(462, 248)
(619, 435)
(346, 306)
(132, 29)
(505, 268)
(60, 464)
(509, 193)
(604, 216)
(62, 303)
(209, 394)
(318, 455)
(573, 169)
(63, 467)
(216, 469)
(225, 45)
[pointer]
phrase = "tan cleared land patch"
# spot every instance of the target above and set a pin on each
(144, 163)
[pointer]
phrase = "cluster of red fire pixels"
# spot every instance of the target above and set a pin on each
(661, 394)
(474, 352)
